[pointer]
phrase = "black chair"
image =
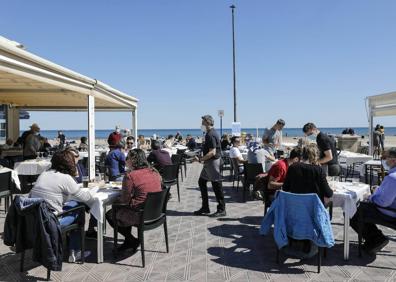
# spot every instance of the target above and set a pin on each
(170, 177)
(226, 164)
(378, 221)
(177, 160)
(236, 174)
(183, 161)
(152, 215)
(78, 225)
(250, 173)
(5, 189)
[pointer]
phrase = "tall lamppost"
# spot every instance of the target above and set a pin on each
(233, 61)
(221, 114)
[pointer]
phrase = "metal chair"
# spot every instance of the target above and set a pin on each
(236, 175)
(152, 215)
(5, 189)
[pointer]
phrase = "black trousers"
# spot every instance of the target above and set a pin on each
(370, 231)
(217, 189)
(124, 231)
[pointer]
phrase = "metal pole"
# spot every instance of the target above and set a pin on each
(233, 62)
(221, 126)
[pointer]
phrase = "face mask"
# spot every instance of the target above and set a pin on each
(203, 128)
(118, 130)
(385, 165)
(312, 137)
(36, 133)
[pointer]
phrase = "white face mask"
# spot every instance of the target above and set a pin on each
(118, 130)
(385, 165)
(203, 128)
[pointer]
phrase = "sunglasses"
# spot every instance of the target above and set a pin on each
(130, 143)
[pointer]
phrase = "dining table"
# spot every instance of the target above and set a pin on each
(14, 176)
(347, 195)
(103, 195)
(351, 160)
(32, 167)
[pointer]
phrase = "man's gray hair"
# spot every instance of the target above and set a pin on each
(208, 119)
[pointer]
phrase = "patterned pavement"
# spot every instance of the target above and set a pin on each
(206, 249)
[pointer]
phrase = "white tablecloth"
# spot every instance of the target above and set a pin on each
(350, 158)
(101, 197)
(288, 144)
(32, 167)
(371, 162)
(85, 154)
(14, 176)
(347, 194)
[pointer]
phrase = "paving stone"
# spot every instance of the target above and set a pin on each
(207, 249)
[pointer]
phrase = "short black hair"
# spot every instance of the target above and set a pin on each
(295, 153)
(308, 126)
(155, 145)
(130, 138)
(83, 139)
(233, 138)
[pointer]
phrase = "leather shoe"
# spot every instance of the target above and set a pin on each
(218, 214)
(202, 211)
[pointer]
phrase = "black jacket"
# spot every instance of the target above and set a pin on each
(30, 224)
(302, 178)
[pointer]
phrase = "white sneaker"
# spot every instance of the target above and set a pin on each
(76, 255)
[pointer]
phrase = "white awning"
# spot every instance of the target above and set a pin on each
(379, 106)
(31, 82)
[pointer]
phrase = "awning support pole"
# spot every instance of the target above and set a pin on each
(91, 137)
(134, 124)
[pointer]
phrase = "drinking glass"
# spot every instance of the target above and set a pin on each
(85, 180)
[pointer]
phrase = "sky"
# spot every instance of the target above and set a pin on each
(305, 60)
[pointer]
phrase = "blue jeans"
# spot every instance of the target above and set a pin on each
(74, 236)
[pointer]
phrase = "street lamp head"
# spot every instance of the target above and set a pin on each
(232, 6)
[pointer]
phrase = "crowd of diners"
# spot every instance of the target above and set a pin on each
(138, 164)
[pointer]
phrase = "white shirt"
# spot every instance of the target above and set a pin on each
(235, 153)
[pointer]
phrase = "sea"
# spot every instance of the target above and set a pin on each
(196, 132)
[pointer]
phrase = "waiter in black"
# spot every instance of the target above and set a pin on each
(211, 169)
(328, 152)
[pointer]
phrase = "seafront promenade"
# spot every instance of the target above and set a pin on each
(206, 249)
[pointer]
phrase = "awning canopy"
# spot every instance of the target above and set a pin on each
(383, 105)
(379, 106)
(30, 82)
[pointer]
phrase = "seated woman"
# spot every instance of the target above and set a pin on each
(308, 176)
(55, 186)
(140, 180)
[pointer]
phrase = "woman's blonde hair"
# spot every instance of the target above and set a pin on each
(311, 154)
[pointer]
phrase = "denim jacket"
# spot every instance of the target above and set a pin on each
(299, 216)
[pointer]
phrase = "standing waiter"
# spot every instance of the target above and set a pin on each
(211, 169)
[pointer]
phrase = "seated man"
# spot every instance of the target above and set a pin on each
(384, 196)
(273, 180)
(190, 142)
(130, 144)
(115, 163)
(278, 171)
(159, 158)
(236, 155)
(83, 144)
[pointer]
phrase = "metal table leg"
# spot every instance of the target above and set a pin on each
(346, 237)
(100, 241)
